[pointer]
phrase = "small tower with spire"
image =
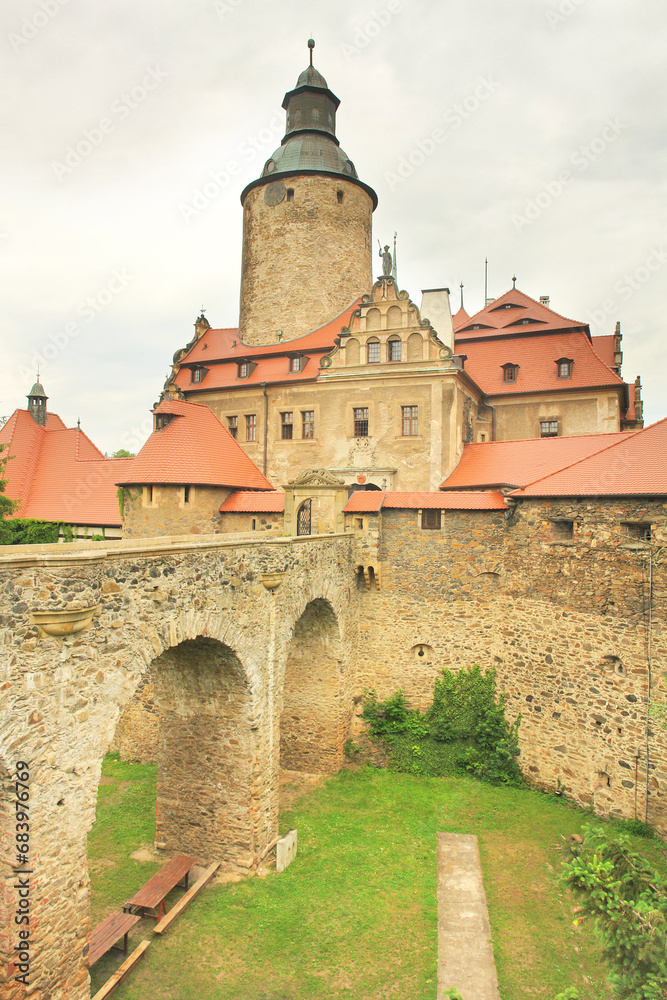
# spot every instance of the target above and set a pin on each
(307, 247)
(37, 403)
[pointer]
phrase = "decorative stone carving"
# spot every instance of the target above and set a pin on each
(55, 623)
(316, 477)
(272, 580)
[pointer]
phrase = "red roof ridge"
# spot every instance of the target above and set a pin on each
(594, 454)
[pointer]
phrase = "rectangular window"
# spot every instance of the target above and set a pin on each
(562, 530)
(431, 518)
(295, 364)
(308, 424)
(361, 421)
(564, 369)
(410, 421)
(548, 428)
(251, 427)
(197, 374)
(637, 531)
(186, 494)
(509, 373)
(244, 370)
(233, 426)
(373, 348)
(394, 348)
(286, 426)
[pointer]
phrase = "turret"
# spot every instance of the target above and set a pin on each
(37, 403)
(307, 248)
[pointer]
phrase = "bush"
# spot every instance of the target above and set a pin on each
(29, 531)
(464, 729)
(628, 901)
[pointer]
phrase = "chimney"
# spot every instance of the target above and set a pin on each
(544, 300)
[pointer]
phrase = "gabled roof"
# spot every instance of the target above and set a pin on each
(221, 351)
(604, 348)
(513, 312)
(369, 501)
(536, 357)
(517, 463)
(193, 449)
(58, 474)
(635, 465)
(254, 503)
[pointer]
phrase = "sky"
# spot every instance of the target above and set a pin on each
(529, 132)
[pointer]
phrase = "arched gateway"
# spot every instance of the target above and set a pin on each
(213, 621)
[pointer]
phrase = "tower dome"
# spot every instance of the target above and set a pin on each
(37, 403)
(306, 223)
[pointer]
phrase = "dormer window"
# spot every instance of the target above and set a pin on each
(245, 368)
(564, 367)
(163, 420)
(297, 364)
(198, 374)
(510, 373)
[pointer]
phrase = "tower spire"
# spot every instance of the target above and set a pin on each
(311, 46)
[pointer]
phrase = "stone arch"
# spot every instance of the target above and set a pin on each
(352, 353)
(206, 754)
(415, 347)
(394, 318)
(373, 319)
(312, 730)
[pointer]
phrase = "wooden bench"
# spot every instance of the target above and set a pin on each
(104, 937)
(150, 900)
(187, 898)
(120, 973)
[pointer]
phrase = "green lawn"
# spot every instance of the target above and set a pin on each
(355, 914)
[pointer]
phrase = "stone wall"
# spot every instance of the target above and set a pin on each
(563, 621)
(304, 261)
(167, 512)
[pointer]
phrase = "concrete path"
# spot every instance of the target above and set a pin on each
(465, 956)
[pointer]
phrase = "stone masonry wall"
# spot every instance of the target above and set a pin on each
(168, 514)
(564, 623)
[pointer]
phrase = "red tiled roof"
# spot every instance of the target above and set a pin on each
(604, 348)
(368, 501)
(58, 474)
(517, 463)
(460, 318)
(194, 448)
(536, 358)
(221, 351)
(254, 503)
(634, 465)
(497, 319)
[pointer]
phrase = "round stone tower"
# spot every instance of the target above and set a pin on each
(307, 248)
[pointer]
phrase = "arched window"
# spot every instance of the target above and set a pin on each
(373, 352)
(394, 349)
(303, 518)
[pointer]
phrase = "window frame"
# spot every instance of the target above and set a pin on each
(308, 425)
(251, 427)
(392, 343)
(410, 420)
(286, 425)
(360, 424)
(567, 364)
(550, 432)
(233, 428)
(374, 343)
(510, 373)
(428, 515)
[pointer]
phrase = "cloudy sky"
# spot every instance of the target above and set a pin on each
(531, 132)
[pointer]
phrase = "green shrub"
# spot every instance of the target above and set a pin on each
(464, 729)
(29, 531)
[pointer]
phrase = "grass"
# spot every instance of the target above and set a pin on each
(355, 915)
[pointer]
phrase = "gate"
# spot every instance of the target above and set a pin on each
(303, 518)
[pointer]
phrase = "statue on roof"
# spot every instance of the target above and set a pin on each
(387, 261)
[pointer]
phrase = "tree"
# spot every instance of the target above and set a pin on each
(122, 453)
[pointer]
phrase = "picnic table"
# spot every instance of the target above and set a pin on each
(105, 935)
(150, 899)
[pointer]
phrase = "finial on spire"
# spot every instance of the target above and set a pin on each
(461, 295)
(78, 423)
(311, 46)
(514, 281)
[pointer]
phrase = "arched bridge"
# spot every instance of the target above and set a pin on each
(247, 643)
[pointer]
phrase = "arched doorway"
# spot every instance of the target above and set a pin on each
(303, 518)
(312, 729)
